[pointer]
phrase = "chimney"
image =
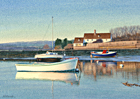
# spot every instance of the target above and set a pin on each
(94, 32)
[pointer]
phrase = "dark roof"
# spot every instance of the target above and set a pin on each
(78, 40)
(97, 36)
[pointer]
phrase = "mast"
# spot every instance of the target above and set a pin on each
(52, 33)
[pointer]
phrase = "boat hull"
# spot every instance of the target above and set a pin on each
(66, 65)
(110, 54)
(48, 58)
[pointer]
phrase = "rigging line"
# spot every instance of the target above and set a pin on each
(52, 33)
(46, 31)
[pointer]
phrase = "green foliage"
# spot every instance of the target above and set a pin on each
(65, 42)
(62, 43)
(58, 42)
(69, 42)
(85, 43)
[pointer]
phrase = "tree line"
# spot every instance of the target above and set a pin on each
(59, 43)
(126, 33)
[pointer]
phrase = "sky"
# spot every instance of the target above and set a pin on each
(31, 20)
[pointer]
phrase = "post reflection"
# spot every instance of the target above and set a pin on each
(131, 70)
(100, 68)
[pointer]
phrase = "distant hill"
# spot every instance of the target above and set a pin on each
(33, 45)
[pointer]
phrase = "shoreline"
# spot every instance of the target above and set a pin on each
(31, 54)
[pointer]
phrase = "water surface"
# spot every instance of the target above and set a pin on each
(98, 78)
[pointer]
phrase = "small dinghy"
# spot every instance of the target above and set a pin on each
(105, 53)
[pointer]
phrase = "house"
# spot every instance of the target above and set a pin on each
(78, 41)
(97, 37)
(92, 38)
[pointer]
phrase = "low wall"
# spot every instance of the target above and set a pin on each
(111, 45)
(79, 47)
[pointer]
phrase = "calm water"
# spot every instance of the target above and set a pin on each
(98, 78)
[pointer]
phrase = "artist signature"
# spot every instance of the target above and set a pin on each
(8, 96)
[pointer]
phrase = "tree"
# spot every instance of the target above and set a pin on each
(69, 42)
(125, 31)
(65, 42)
(58, 42)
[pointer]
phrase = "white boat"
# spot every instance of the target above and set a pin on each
(48, 57)
(65, 65)
(67, 77)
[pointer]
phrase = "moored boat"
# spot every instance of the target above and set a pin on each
(48, 57)
(65, 65)
(105, 53)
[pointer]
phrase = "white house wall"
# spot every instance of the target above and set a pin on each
(89, 40)
(78, 44)
(92, 40)
(106, 40)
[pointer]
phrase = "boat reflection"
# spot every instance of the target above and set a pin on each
(67, 77)
(102, 68)
(97, 67)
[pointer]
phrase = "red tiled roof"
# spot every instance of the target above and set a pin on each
(78, 40)
(97, 36)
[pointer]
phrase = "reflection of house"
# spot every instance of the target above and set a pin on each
(78, 41)
(93, 68)
(93, 37)
(128, 66)
(131, 70)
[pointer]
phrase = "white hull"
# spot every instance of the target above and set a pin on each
(52, 76)
(48, 56)
(65, 65)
